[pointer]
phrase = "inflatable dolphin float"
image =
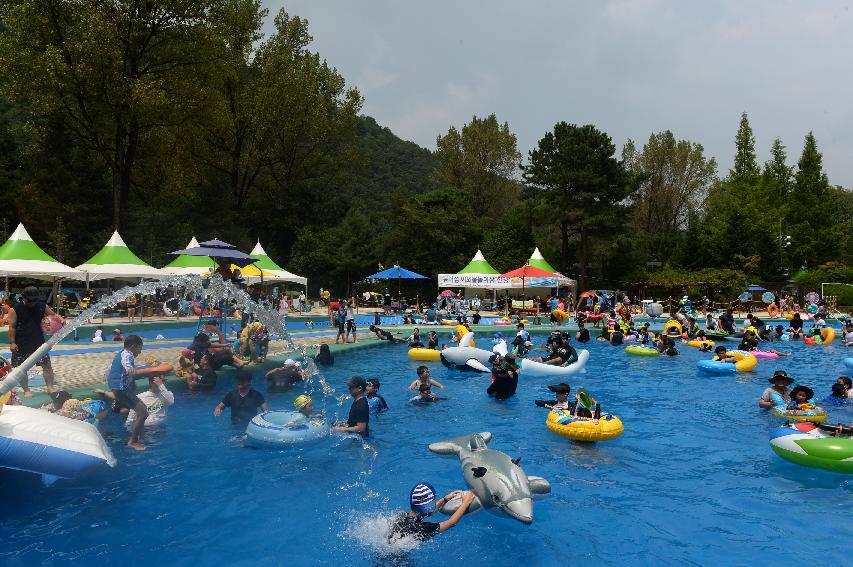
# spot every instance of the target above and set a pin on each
(466, 356)
(499, 483)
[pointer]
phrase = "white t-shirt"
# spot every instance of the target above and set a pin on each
(156, 404)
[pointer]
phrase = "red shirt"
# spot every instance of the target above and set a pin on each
(334, 305)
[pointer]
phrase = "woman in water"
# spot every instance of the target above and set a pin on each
(324, 356)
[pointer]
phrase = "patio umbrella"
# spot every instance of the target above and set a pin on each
(190, 265)
(447, 293)
(397, 273)
(221, 252)
(528, 271)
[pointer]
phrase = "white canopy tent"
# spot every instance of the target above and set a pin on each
(20, 256)
(116, 261)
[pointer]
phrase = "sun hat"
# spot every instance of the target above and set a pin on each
(781, 374)
(422, 499)
(302, 401)
(561, 388)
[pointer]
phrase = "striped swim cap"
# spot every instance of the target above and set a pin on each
(422, 499)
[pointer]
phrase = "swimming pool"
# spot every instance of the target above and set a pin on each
(692, 481)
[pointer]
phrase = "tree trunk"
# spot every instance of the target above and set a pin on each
(584, 256)
(126, 145)
(564, 238)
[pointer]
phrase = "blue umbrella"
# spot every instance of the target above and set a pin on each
(219, 250)
(397, 273)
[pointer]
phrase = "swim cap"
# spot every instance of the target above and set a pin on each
(422, 499)
(302, 401)
(289, 362)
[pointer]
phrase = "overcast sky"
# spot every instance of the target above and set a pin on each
(629, 67)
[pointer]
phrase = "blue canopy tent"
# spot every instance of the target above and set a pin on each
(397, 273)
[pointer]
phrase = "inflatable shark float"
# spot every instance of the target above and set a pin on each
(499, 483)
(465, 356)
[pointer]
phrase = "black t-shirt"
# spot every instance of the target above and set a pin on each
(504, 384)
(243, 408)
(359, 412)
(28, 333)
(408, 525)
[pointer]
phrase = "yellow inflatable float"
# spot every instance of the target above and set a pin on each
(672, 328)
(424, 354)
(700, 344)
(559, 314)
(745, 361)
(566, 425)
(809, 412)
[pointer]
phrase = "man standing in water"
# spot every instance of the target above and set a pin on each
(423, 504)
(25, 334)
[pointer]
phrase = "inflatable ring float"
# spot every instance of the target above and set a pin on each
(745, 363)
(448, 322)
(559, 314)
(564, 424)
(828, 335)
(816, 415)
(700, 344)
(716, 335)
(848, 362)
(772, 310)
(672, 328)
(288, 428)
(814, 446)
(637, 350)
(813, 308)
(424, 354)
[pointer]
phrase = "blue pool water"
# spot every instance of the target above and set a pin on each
(691, 482)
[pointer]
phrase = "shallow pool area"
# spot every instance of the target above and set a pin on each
(692, 481)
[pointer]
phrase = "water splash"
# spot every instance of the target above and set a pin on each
(371, 531)
(213, 290)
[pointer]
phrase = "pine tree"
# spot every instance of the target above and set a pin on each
(777, 168)
(745, 167)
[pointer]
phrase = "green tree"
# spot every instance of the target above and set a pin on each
(745, 167)
(777, 168)
(574, 169)
(117, 73)
(482, 159)
(813, 240)
(676, 177)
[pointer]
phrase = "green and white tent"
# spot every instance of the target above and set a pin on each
(478, 265)
(266, 264)
(536, 260)
(190, 265)
(477, 274)
(22, 257)
(116, 261)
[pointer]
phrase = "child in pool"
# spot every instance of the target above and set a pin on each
(424, 379)
(720, 354)
(375, 401)
(425, 395)
(800, 397)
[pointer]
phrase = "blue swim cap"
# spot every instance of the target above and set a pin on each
(422, 499)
